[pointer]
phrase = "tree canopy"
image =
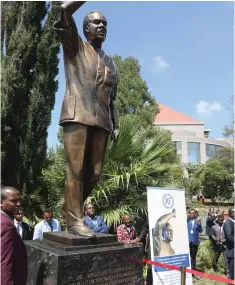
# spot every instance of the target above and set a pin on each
(133, 96)
(29, 70)
(192, 182)
(219, 171)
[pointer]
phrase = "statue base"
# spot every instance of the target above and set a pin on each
(66, 259)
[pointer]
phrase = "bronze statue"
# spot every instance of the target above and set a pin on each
(88, 112)
(163, 235)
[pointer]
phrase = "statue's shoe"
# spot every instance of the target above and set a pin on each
(81, 230)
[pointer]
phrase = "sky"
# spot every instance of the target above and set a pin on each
(186, 53)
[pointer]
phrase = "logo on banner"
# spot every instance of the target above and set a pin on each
(168, 201)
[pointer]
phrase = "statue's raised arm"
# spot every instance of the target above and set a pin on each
(67, 30)
(66, 11)
(157, 231)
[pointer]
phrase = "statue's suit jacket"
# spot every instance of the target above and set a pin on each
(14, 263)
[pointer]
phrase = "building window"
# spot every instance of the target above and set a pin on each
(194, 155)
(211, 149)
(178, 147)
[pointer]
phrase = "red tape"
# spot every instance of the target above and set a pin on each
(198, 273)
(173, 267)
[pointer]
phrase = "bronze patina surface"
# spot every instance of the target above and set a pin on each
(69, 241)
(88, 112)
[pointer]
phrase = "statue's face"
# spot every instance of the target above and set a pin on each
(97, 27)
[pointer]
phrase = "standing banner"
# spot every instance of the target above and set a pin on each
(168, 234)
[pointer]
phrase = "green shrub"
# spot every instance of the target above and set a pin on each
(206, 256)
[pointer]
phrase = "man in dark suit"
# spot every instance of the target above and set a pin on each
(229, 236)
(194, 228)
(14, 263)
(95, 223)
(218, 240)
(25, 231)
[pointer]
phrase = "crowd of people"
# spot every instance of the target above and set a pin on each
(221, 234)
(14, 231)
(14, 263)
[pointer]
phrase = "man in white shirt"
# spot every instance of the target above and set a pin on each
(25, 231)
(48, 224)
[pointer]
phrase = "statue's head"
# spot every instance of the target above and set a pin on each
(95, 27)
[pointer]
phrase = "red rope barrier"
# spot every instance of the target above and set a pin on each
(195, 272)
(173, 267)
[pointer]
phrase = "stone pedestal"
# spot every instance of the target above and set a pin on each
(65, 259)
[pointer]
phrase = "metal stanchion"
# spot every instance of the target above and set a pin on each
(183, 275)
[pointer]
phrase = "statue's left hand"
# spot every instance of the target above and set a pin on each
(115, 134)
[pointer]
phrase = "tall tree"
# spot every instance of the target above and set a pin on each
(41, 102)
(23, 30)
(192, 182)
(28, 88)
(219, 171)
(9, 19)
(133, 96)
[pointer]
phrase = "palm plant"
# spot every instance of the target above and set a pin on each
(137, 160)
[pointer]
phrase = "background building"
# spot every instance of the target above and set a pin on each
(191, 139)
